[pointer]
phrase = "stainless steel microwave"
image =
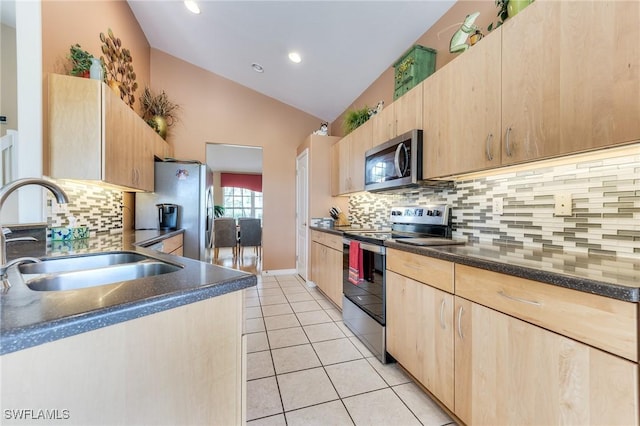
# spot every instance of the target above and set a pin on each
(394, 164)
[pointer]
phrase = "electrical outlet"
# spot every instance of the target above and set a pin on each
(563, 204)
(498, 206)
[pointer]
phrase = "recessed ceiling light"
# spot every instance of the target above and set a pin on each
(257, 67)
(295, 57)
(192, 6)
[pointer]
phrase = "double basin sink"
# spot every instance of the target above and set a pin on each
(91, 270)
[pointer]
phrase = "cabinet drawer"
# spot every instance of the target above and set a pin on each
(171, 244)
(435, 272)
(608, 324)
(329, 240)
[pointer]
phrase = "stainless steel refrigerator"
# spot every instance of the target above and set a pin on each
(190, 186)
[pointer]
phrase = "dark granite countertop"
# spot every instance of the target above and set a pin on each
(338, 230)
(29, 318)
(615, 277)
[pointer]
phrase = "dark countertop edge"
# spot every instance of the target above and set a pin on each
(327, 230)
(15, 340)
(626, 294)
(163, 235)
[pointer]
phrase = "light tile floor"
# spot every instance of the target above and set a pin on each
(304, 367)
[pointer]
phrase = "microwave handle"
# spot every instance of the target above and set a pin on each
(396, 160)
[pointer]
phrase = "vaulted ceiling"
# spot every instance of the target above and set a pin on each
(344, 45)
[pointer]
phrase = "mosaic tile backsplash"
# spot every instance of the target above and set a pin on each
(96, 207)
(605, 202)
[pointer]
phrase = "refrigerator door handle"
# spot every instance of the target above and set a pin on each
(210, 216)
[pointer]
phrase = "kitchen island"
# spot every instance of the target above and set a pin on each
(165, 349)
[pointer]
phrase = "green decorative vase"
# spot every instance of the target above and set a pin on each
(159, 123)
(515, 6)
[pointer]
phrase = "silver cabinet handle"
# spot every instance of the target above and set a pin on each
(517, 299)
(442, 314)
(460, 322)
(488, 147)
(508, 142)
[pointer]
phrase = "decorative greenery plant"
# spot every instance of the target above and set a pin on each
(218, 211)
(502, 15)
(80, 59)
(158, 105)
(118, 65)
(355, 118)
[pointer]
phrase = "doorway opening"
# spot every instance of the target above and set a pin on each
(237, 195)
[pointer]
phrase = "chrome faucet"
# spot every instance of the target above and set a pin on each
(7, 190)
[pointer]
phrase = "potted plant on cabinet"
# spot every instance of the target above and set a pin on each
(508, 9)
(355, 118)
(158, 111)
(80, 61)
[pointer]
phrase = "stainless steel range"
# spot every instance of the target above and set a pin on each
(363, 303)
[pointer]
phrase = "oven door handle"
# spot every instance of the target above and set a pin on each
(367, 247)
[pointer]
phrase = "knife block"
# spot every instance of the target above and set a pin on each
(342, 220)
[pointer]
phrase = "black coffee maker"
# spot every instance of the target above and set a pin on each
(168, 216)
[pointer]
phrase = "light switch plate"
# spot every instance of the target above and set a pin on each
(563, 204)
(498, 206)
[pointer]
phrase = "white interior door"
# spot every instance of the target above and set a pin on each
(302, 208)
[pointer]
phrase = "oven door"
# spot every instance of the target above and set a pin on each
(367, 295)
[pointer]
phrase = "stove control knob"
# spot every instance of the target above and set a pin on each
(419, 212)
(429, 212)
(437, 213)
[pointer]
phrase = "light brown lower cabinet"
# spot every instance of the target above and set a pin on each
(173, 245)
(504, 350)
(326, 264)
(326, 269)
(180, 366)
(420, 333)
(509, 372)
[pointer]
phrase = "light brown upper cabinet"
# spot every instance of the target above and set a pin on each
(94, 135)
(461, 107)
(401, 116)
(350, 160)
(559, 78)
(570, 78)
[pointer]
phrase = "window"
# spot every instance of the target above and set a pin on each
(241, 202)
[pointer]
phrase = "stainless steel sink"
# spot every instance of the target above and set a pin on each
(100, 276)
(91, 270)
(76, 263)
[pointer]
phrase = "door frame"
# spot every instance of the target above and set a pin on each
(302, 200)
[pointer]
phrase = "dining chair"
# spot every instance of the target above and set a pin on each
(225, 234)
(250, 235)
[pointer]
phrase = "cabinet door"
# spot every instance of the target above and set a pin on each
(420, 333)
(344, 164)
(333, 271)
(570, 78)
(144, 148)
(511, 372)
(335, 169)
(315, 270)
(462, 112)
(75, 130)
(384, 125)
(408, 111)
(360, 143)
(120, 132)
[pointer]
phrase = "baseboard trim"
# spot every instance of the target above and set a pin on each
(279, 272)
